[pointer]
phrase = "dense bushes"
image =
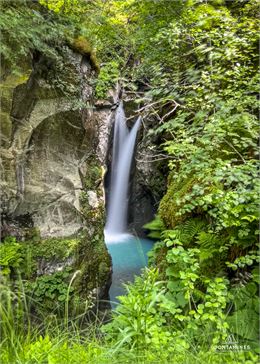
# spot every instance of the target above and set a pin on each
(200, 79)
(193, 68)
(210, 207)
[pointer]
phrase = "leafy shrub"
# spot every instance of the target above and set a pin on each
(152, 322)
(10, 255)
(49, 292)
(33, 32)
(107, 78)
(138, 321)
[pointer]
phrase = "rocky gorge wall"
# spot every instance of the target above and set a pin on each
(149, 182)
(53, 155)
(148, 172)
(56, 148)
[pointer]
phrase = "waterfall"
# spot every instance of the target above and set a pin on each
(123, 149)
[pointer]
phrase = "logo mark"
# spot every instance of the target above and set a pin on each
(232, 344)
(231, 339)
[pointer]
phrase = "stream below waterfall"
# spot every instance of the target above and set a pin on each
(129, 256)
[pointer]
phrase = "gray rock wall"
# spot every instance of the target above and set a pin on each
(53, 159)
(46, 141)
(148, 174)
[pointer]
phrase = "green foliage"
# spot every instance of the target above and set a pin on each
(13, 320)
(184, 233)
(196, 308)
(107, 78)
(244, 320)
(153, 313)
(195, 66)
(51, 288)
(150, 320)
(210, 207)
(135, 322)
(38, 351)
(55, 248)
(156, 226)
(47, 292)
(26, 29)
(199, 297)
(48, 350)
(10, 256)
(244, 261)
(59, 5)
(23, 257)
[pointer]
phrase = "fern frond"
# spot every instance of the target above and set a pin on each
(208, 240)
(187, 231)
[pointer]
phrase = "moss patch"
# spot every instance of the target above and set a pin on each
(94, 175)
(32, 252)
(84, 47)
(7, 87)
(94, 272)
(56, 248)
(93, 259)
(173, 201)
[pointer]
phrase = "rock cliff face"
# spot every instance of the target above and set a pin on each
(53, 152)
(148, 175)
(148, 182)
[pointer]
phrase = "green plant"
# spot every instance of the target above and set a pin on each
(156, 227)
(107, 78)
(55, 248)
(244, 261)
(38, 351)
(50, 291)
(244, 318)
(10, 255)
(33, 33)
(14, 320)
(193, 69)
(136, 321)
(24, 341)
(201, 303)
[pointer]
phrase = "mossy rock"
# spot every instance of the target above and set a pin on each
(41, 257)
(6, 129)
(7, 87)
(94, 272)
(172, 202)
(94, 174)
(84, 47)
(56, 248)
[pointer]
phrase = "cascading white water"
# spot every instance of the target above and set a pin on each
(123, 149)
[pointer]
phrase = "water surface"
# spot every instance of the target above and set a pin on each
(129, 256)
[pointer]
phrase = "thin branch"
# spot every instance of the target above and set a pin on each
(170, 112)
(232, 146)
(152, 160)
(150, 105)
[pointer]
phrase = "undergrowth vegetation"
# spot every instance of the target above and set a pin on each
(192, 68)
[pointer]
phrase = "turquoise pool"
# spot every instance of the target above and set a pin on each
(129, 256)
